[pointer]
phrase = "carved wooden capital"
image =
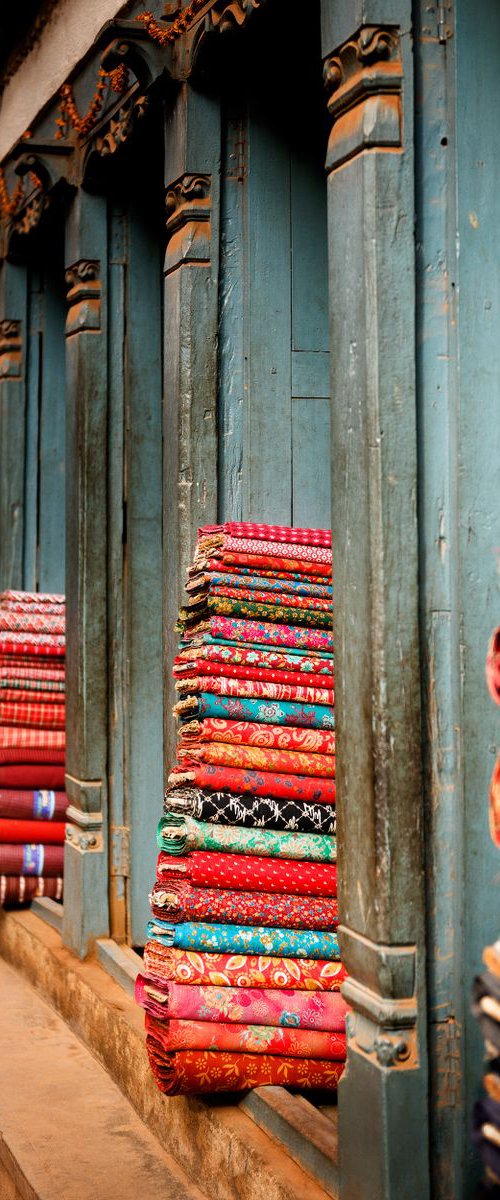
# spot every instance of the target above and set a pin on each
(381, 990)
(10, 349)
(84, 297)
(188, 207)
(363, 79)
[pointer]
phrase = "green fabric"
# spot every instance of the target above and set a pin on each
(178, 834)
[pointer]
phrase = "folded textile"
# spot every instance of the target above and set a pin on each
(180, 901)
(261, 874)
(257, 757)
(255, 733)
(234, 579)
(42, 644)
(493, 666)
(211, 639)
(267, 634)
(32, 598)
(245, 939)
(273, 533)
(179, 834)
(303, 552)
(31, 622)
(202, 666)
(32, 775)
(33, 805)
(19, 693)
(179, 1034)
(33, 859)
(224, 685)
(260, 1006)
(185, 1071)
(38, 716)
(168, 964)
(241, 564)
(275, 562)
(48, 832)
(44, 678)
(256, 611)
(494, 803)
(24, 745)
(278, 598)
(16, 891)
(256, 783)
(261, 658)
(268, 712)
(299, 816)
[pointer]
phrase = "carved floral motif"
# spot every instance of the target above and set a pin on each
(121, 127)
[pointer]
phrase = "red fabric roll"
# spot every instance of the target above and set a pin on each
(180, 1034)
(202, 666)
(272, 533)
(207, 868)
(16, 891)
(21, 805)
(257, 783)
(274, 562)
(33, 775)
(257, 758)
(46, 832)
(31, 745)
(253, 733)
(35, 716)
(167, 964)
(32, 859)
(30, 696)
(180, 901)
(197, 1071)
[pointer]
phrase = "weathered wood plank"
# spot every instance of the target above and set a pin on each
(51, 493)
(13, 333)
(32, 467)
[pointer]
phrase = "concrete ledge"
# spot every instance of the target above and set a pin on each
(214, 1142)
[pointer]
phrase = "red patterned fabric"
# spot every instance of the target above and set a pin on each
(20, 805)
(17, 891)
(179, 901)
(257, 783)
(35, 598)
(493, 666)
(36, 716)
(316, 573)
(22, 745)
(263, 546)
(302, 603)
(47, 864)
(221, 685)
(272, 659)
(30, 696)
(33, 644)
(273, 533)
(256, 758)
(252, 733)
(275, 562)
(207, 868)
(33, 775)
(217, 1071)
(30, 622)
(257, 1006)
(21, 832)
(202, 666)
(168, 964)
(252, 1039)
(34, 674)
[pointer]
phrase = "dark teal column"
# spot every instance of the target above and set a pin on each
(13, 384)
(383, 1097)
(85, 863)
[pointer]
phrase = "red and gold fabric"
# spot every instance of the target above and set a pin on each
(207, 868)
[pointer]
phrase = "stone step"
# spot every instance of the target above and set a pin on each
(66, 1130)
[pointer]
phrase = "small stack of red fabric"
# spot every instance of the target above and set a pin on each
(32, 746)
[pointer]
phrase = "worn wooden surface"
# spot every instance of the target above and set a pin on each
(13, 308)
(377, 677)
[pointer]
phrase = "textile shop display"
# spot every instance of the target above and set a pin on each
(32, 746)
(242, 972)
(486, 988)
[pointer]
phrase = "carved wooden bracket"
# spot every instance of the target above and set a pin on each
(364, 81)
(84, 297)
(10, 349)
(188, 206)
(226, 16)
(380, 989)
(121, 126)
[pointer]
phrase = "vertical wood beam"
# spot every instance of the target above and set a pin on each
(383, 1097)
(13, 373)
(86, 864)
(192, 177)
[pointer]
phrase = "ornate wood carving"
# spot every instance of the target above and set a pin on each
(10, 349)
(188, 208)
(121, 126)
(84, 297)
(226, 16)
(363, 80)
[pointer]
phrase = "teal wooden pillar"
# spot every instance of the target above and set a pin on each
(13, 374)
(383, 1097)
(85, 863)
(192, 177)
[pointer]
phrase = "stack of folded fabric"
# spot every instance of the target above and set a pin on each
(242, 973)
(32, 746)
